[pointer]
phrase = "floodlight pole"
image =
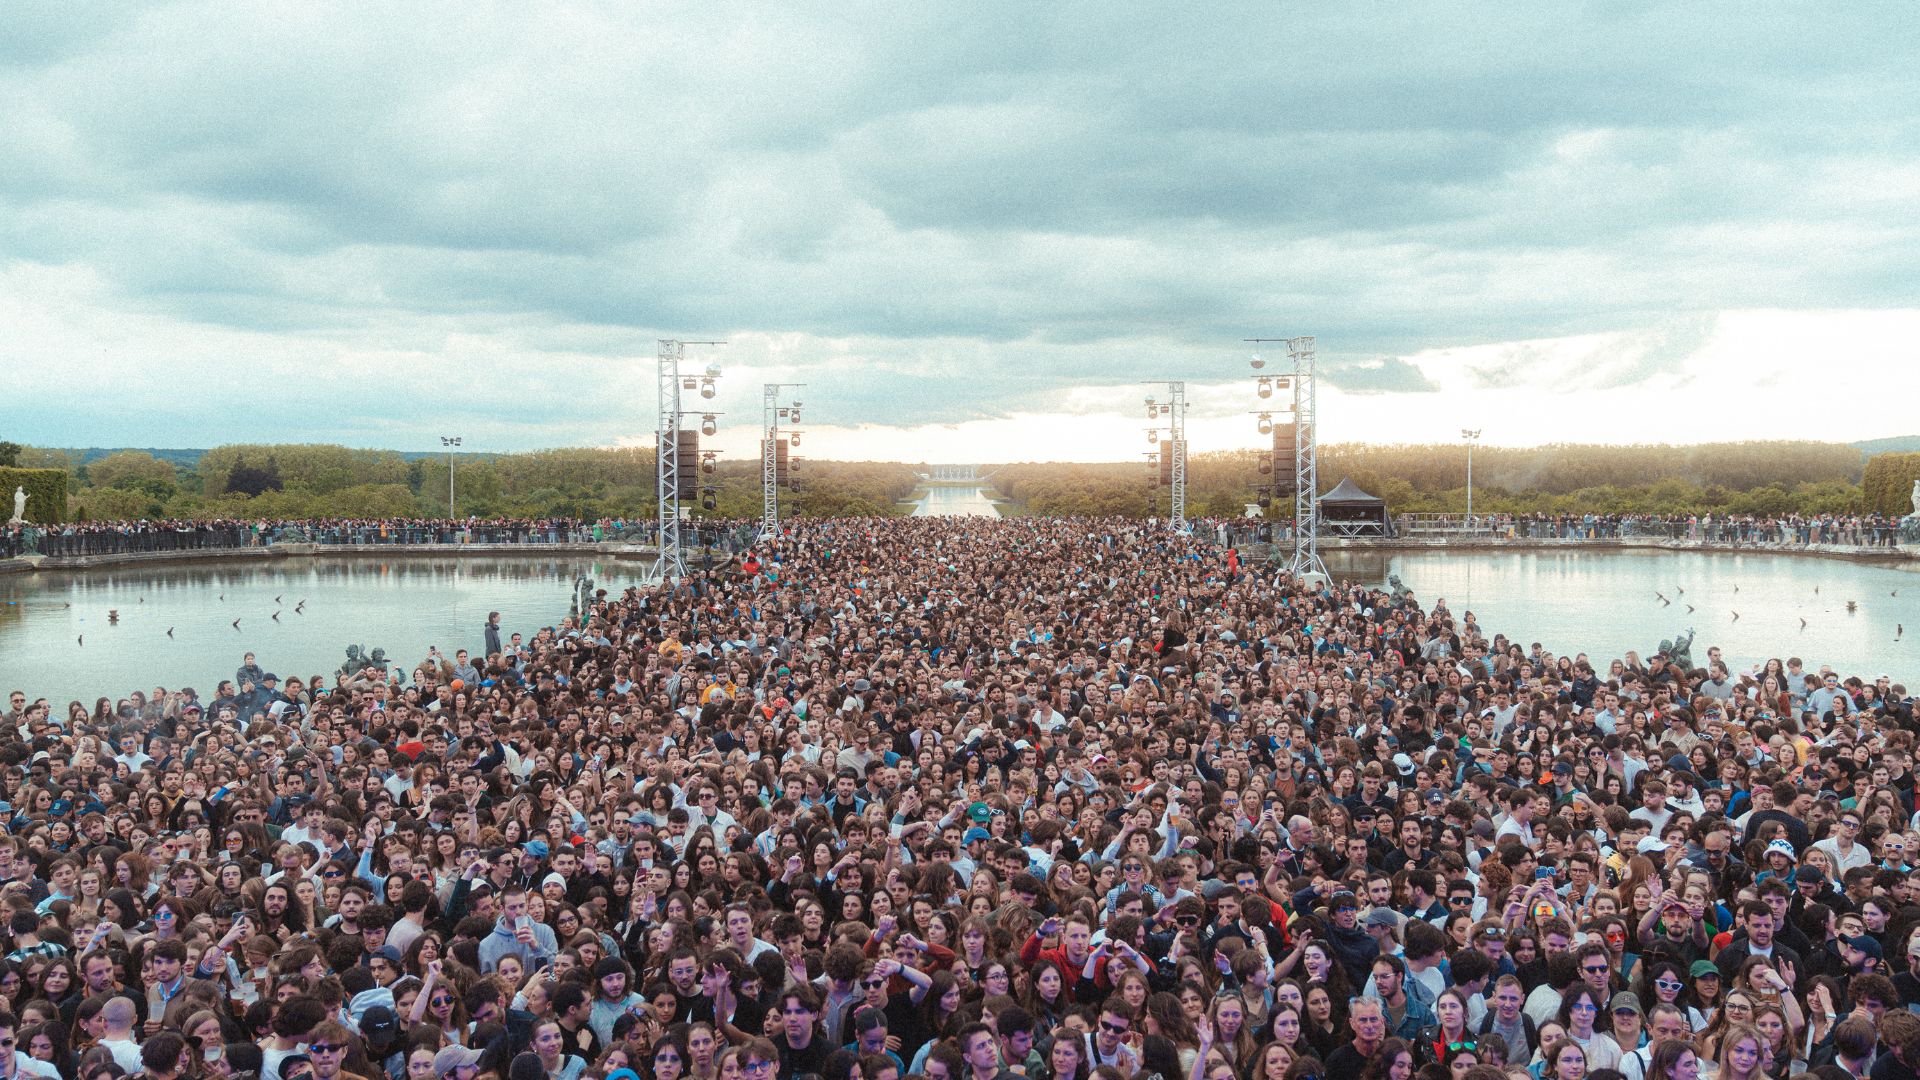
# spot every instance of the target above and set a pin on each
(673, 561)
(770, 415)
(1471, 435)
(450, 441)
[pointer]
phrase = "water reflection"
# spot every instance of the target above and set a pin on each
(956, 502)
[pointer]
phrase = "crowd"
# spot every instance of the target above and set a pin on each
(968, 799)
(1793, 530)
(159, 537)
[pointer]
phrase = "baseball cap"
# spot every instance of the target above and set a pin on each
(1382, 917)
(975, 833)
(1703, 969)
(1624, 1001)
(379, 1023)
(538, 849)
(979, 812)
(1864, 943)
(454, 1057)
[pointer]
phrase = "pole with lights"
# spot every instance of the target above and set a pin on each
(1471, 436)
(451, 442)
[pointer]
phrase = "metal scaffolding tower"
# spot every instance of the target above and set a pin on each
(771, 413)
(1173, 450)
(1305, 562)
(1306, 463)
(668, 474)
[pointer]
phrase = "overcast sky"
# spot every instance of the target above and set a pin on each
(974, 230)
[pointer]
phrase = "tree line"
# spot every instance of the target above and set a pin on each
(311, 480)
(321, 481)
(1766, 478)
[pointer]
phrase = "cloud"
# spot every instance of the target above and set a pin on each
(1386, 375)
(933, 216)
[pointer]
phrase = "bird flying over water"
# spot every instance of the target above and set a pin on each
(169, 631)
(1803, 624)
(1660, 596)
(276, 616)
(1689, 609)
(236, 624)
(82, 640)
(1736, 616)
(1680, 590)
(276, 599)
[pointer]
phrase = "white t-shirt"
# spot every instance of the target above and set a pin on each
(126, 1053)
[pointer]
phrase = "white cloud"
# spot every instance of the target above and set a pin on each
(318, 222)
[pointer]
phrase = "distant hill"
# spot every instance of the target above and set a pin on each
(183, 459)
(1899, 444)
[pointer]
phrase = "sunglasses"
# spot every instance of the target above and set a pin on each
(1112, 1028)
(325, 1048)
(1668, 985)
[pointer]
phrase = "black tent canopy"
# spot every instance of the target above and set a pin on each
(1349, 511)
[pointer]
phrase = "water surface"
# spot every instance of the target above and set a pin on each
(956, 502)
(56, 639)
(1603, 603)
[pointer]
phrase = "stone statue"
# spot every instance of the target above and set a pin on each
(362, 663)
(1915, 496)
(1680, 650)
(20, 504)
(1398, 587)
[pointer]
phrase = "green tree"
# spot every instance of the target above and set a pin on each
(245, 478)
(134, 470)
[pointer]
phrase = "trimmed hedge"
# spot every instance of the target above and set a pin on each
(46, 494)
(1887, 485)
